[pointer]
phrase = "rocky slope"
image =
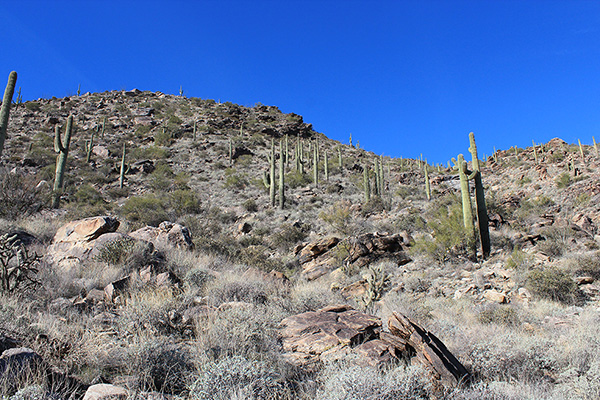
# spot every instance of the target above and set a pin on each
(215, 281)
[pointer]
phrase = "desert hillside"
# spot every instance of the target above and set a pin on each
(207, 250)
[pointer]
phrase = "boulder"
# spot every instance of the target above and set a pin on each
(429, 351)
(82, 240)
(338, 331)
(168, 234)
(105, 391)
(323, 256)
(85, 230)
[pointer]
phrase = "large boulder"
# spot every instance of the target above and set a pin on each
(335, 332)
(81, 240)
(168, 234)
(323, 256)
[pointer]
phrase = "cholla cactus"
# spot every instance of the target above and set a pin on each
(17, 266)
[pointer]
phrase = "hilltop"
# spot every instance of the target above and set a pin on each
(200, 312)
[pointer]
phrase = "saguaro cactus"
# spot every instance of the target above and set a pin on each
(377, 177)
(326, 166)
(581, 152)
(5, 110)
(272, 174)
(281, 175)
(316, 165)
(461, 167)
(89, 146)
(62, 148)
(122, 172)
(482, 218)
(366, 183)
(427, 185)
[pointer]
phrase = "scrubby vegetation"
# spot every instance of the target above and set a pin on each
(202, 322)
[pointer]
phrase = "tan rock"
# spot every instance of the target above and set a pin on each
(105, 391)
(495, 296)
(168, 234)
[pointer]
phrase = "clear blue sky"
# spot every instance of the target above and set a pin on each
(404, 77)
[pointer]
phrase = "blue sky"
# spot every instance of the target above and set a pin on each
(404, 77)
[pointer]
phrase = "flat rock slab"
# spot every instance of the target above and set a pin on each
(337, 331)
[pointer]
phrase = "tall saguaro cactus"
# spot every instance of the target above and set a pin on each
(482, 218)
(282, 174)
(366, 183)
(272, 174)
(62, 148)
(316, 164)
(5, 110)
(122, 172)
(461, 166)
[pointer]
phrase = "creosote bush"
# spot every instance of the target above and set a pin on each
(552, 283)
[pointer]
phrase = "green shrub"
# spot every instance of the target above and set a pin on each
(147, 210)
(235, 180)
(250, 205)
(563, 180)
(339, 217)
(552, 283)
(87, 194)
(115, 251)
(184, 202)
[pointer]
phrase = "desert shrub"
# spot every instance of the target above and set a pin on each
(563, 180)
(161, 179)
(339, 217)
(413, 222)
(449, 236)
(235, 180)
(241, 330)
(287, 235)
(519, 260)
(150, 152)
(184, 202)
(346, 382)
(238, 377)
(375, 205)
(197, 278)
(250, 205)
(296, 179)
(509, 357)
(147, 210)
(588, 264)
(19, 196)
(499, 314)
(258, 256)
(161, 367)
(115, 251)
(163, 138)
(552, 283)
(87, 194)
(33, 106)
(311, 296)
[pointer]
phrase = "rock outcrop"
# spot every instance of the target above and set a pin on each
(320, 257)
(337, 331)
(168, 234)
